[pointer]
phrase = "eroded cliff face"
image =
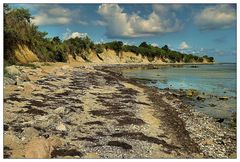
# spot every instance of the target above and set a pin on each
(111, 57)
(24, 55)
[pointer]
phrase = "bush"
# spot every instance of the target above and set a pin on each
(98, 48)
(117, 46)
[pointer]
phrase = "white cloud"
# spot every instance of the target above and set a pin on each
(122, 24)
(56, 15)
(44, 19)
(154, 44)
(69, 34)
(183, 45)
(216, 17)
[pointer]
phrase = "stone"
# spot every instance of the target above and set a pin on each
(61, 127)
(91, 155)
(28, 86)
(220, 120)
(55, 141)
(46, 120)
(65, 67)
(38, 148)
(18, 81)
(8, 81)
(25, 78)
(60, 91)
(208, 142)
(12, 70)
(30, 132)
(233, 156)
(59, 73)
(176, 94)
(42, 118)
(191, 93)
(15, 145)
(201, 98)
(223, 98)
(194, 66)
(12, 141)
(212, 105)
(59, 110)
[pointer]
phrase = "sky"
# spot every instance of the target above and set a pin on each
(199, 29)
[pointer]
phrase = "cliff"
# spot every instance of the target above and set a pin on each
(24, 55)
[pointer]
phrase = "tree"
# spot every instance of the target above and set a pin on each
(165, 47)
(98, 48)
(16, 30)
(57, 40)
(144, 45)
(210, 59)
(117, 46)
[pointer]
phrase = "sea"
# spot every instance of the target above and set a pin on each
(211, 81)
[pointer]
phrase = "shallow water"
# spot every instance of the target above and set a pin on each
(212, 81)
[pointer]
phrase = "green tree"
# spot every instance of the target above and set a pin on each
(144, 45)
(117, 46)
(165, 47)
(98, 48)
(57, 40)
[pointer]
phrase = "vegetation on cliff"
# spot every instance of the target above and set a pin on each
(18, 30)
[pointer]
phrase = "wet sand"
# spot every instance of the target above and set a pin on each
(97, 113)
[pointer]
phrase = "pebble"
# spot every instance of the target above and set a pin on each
(61, 127)
(59, 110)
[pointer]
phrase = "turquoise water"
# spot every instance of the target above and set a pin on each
(211, 80)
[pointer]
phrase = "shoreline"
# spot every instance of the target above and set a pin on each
(184, 133)
(194, 120)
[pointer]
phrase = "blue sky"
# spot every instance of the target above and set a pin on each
(191, 28)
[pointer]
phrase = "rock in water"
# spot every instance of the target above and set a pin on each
(223, 98)
(201, 98)
(194, 66)
(191, 93)
(220, 120)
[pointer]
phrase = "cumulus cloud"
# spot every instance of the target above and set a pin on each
(183, 45)
(45, 19)
(56, 15)
(216, 17)
(121, 24)
(154, 44)
(69, 34)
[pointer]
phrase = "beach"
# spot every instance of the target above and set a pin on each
(92, 111)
